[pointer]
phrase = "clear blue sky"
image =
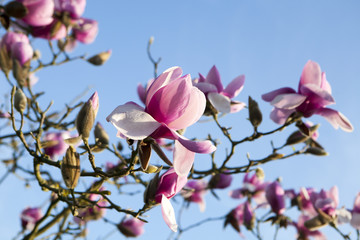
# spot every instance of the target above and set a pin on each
(268, 41)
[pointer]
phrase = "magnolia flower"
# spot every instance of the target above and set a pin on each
(86, 30)
(22, 51)
(172, 103)
(304, 232)
(13, 37)
(54, 143)
(219, 97)
(53, 31)
(29, 217)
(194, 192)
(75, 8)
(220, 181)
(275, 196)
(161, 189)
(241, 215)
(314, 94)
(355, 219)
(131, 227)
(327, 201)
(40, 12)
(253, 186)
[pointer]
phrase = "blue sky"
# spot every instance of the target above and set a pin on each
(268, 41)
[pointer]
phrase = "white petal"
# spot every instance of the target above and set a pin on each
(168, 213)
(220, 102)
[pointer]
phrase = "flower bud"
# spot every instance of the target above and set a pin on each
(99, 59)
(40, 12)
(144, 155)
(249, 217)
(20, 101)
(5, 60)
(220, 181)
(86, 30)
(274, 194)
(70, 168)
(255, 115)
(86, 116)
(153, 169)
(20, 73)
(15, 9)
(316, 151)
(29, 217)
(131, 227)
(150, 191)
(100, 134)
(295, 138)
(316, 223)
(74, 8)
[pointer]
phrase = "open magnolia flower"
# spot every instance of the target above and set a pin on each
(172, 103)
(219, 96)
(312, 97)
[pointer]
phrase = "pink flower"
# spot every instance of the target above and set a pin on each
(29, 217)
(219, 97)
(314, 94)
(160, 190)
(74, 7)
(241, 215)
(355, 219)
(304, 232)
(131, 227)
(13, 37)
(46, 31)
(327, 201)
(275, 196)
(57, 144)
(172, 103)
(195, 192)
(220, 181)
(86, 31)
(253, 186)
(40, 12)
(22, 51)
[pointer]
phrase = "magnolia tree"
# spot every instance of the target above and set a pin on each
(56, 141)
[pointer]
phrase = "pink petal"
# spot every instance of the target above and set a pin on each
(236, 106)
(236, 193)
(131, 121)
(336, 119)
(183, 159)
(235, 86)
(355, 220)
(193, 111)
(164, 78)
(357, 203)
(288, 100)
(206, 87)
(196, 146)
(213, 77)
(220, 102)
(268, 97)
(311, 74)
(168, 213)
(170, 102)
(141, 92)
(325, 84)
(334, 195)
(280, 116)
(317, 95)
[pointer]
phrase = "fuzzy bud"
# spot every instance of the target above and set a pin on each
(20, 101)
(255, 115)
(150, 191)
(86, 116)
(316, 151)
(99, 59)
(70, 168)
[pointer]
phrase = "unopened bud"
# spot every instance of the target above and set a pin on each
(151, 40)
(260, 174)
(295, 138)
(86, 116)
(21, 73)
(316, 151)
(144, 155)
(70, 168)
(153, 169)
(20, 100)
(5, 60)
(15, 9)
(100, 134)
(316, 223)
(232, 220)
(255, 115)
(99, 59)
(275, 156)
(151, 188)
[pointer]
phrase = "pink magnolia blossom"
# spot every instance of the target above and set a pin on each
(195, 191)
(22, 51)
(253, 186)
(220, 97)
(169, 184)
(172, 103)
(86, 30)
(75, 8)
(29, 217)
(46, 32)
(220, 181)
(312, 97)
(355, 219)
(304, 232)
(131, 227)
(58, 146)
(327, 201)
(10, 38)
(275, 196)
(40, 12)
